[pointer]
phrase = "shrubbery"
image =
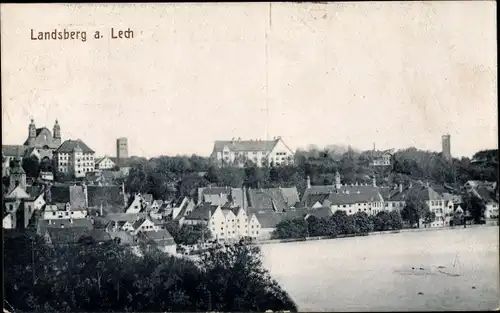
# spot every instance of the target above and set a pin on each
(108, 277)
(338, 224)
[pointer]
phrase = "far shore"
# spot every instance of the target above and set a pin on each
(404, 230)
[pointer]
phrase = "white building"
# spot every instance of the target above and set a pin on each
(75, 158)
(237, 152)
(63, 211)
(226, 224)
(104, 163)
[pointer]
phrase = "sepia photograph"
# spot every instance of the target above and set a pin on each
(250, 157)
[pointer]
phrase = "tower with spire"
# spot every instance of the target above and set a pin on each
(31, 132)
(57, 133)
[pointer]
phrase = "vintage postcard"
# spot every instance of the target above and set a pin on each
(250, 157)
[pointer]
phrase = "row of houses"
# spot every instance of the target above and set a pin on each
(229, 213)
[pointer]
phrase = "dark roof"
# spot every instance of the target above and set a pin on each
(13, 150)
(323, 212)
(69, 145)
(347, 194)
(160, 237)
(66, 223)
(138, 223)
(99, 235)
(291, 195)
(129, 217)
(202, 212)
(245, 145)
(66, 235)
(486, 194)
(77, 196)
(271, 219)
(111, 198)
(423, 192)
(267, 199)
(58, 194)
(125, 237)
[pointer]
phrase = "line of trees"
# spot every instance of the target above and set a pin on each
(169, 177)
(92, 277)
(338, 224)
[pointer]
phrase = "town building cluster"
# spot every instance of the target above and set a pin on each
(63, 213)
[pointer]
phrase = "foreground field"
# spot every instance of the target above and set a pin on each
(452, 269)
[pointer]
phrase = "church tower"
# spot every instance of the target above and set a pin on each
(17, 175)
(31, 132)
(338, 184)
(57, 133)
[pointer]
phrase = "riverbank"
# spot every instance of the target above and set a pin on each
(405, 230)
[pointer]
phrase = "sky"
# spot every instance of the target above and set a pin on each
(397, 74)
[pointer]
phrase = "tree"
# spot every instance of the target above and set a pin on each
(395, 220)
(92, 277)
(382, 221)
(31, 166)
(476, 207)
(414, 209)
(363, 223)
(294, 228)
(236, 281)
(429, 217)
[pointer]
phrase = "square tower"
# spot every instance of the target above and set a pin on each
(121, 150)
(446, 147)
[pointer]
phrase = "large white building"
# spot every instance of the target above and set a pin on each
(224, 223)
(237, 152)
(75, 158)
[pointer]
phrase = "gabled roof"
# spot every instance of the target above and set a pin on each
(138, 223)
(291, 195)
(66, 235)
(125, 237)
(323, 212)
(99, 160)
(13, 150)
(202, 212)
(69, 146)
(267, 200)
(111, 198)
(245, 145)
(18, 193)
(271, 219)
(160, 237)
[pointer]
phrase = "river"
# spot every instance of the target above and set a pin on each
(449, 269)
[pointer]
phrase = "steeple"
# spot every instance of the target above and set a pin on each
(32, 130)
(57, 130)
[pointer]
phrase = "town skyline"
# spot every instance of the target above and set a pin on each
(181, 85)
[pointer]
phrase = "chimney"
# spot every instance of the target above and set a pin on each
(101, 214)
(427, 184)
(411, 184)
(400, 188)
(71, 221)
(374, 182)
(308, 182)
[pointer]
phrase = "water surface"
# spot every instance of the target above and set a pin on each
(449, 269)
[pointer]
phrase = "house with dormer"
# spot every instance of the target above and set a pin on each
(238, 152)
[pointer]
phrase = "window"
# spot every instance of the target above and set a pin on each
(66, 213)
